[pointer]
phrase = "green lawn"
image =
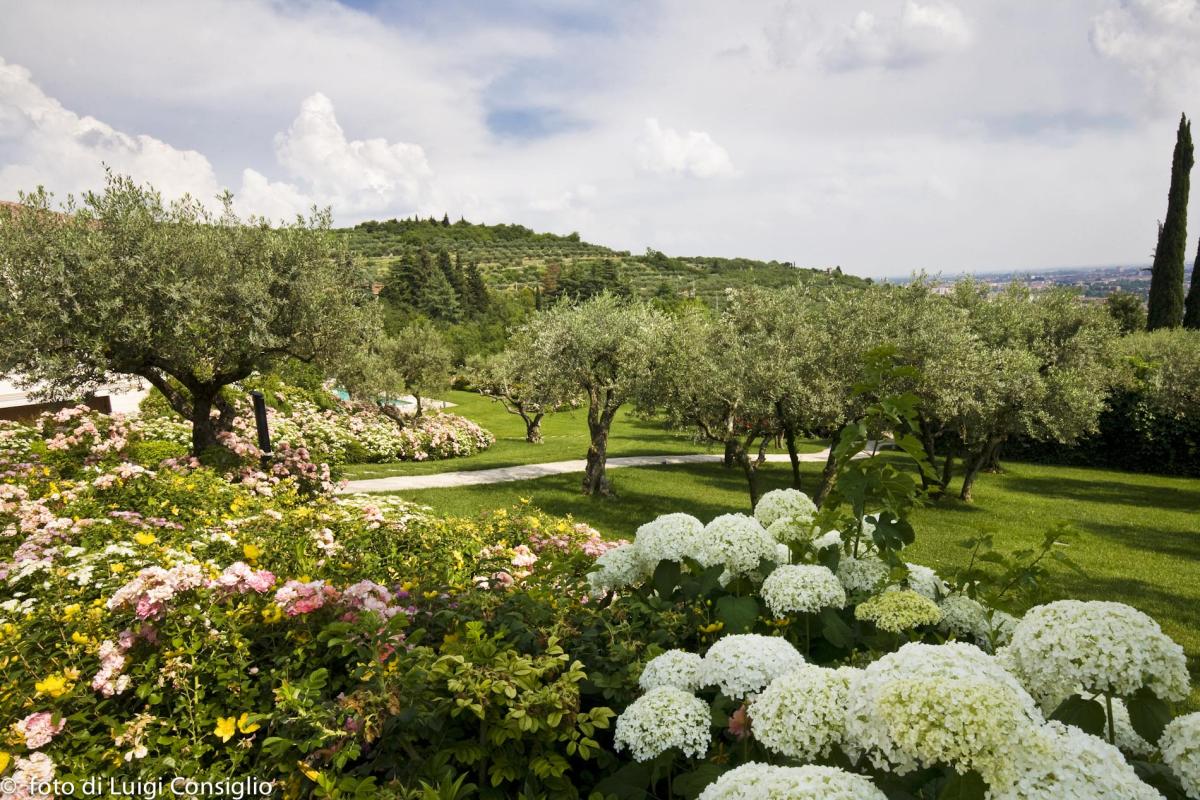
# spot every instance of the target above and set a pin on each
(565, 434)
(1138, 535)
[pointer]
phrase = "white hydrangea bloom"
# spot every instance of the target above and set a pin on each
(1099, 646)
(783, 554)
(1180, 744)
(790, 530)
(781, 503)
(737, 541)
(756, 781)
(862, 574)
(617, 568)
(741, 664)
(669, 538)
(939, 704)
(806, 588)
(1061, 762)
(802, 714)
(924, 581)
(966, 618)
(663, 718)
(677, 668)
(830, 539)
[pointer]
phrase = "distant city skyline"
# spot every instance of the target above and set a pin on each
(884, 136)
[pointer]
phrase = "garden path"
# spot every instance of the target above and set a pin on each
(525, 472)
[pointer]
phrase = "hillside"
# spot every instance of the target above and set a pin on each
(513, 256)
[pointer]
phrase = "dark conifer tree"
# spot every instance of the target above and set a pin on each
(476, 289)
(406, 283)
(1191, 306)
(446, 220)
(1166, 276)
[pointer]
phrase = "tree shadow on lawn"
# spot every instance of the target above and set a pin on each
(1161, 541)
(1106, 491)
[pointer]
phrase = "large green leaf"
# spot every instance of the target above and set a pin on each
(666, 578)
(738, 613)
(689, 785)
(1148, 714)
(1087, 715)
(963, 787)
(835, 630)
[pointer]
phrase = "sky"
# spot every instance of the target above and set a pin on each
(884, 137)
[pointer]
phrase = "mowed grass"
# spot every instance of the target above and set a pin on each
(565, 434)
(1137, 536)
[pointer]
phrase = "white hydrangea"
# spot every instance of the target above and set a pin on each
(617, 568)
(737, 541)
(1180, 745)
(862, 574)
(803, 714)
(924, 581)
(1099, 646)
(661, 719)
(756, 781)
(966, 618)
(1061, 762)
(802, 588)
(790, 530)
(677, 668)
(830, 539)
(783, 554)
(939, 704)
(783, 503)
(669, 538)
(741, 664)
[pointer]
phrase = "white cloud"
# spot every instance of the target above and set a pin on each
(666, 150)
(1156, 40)
(353, 176)
(42, 143)
(921, 34)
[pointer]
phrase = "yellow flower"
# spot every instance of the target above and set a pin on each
(251, 552)
(175, 511)
(272, 613)
(145, 538)
(226, 728)
(53, 685)
(8, 631)
(70, 611)
(4, 759)
(533, 522)
(430, 595)
(245, 725)
(713, 628)
(308, 771)
(116, 568)
(79, 638)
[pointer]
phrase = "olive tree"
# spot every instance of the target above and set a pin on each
(515, 381)
(606, 349)
(1046, 364)
(123, 284)
(419, 357)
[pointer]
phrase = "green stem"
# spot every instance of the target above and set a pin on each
(1112, 732)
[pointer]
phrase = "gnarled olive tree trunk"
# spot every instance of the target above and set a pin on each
(600, 417)
(980, 460)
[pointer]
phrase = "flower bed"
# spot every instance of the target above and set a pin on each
(160, 622)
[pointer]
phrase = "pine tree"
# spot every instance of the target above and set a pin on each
(1191, 306)
(1166, 276)
(440, 301)
(476, 289)
(445, 220)
(455, 278)
(406, 283)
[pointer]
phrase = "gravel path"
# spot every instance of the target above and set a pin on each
(525, 472)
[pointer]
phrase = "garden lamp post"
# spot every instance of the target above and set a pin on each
(260, 422)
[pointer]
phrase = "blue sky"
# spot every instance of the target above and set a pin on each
(882, 136)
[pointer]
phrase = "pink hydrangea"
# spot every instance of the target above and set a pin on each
(370, 596)
(240, 578)
(523, 556)
(109, 681)
(298, 597)
(154, 587)
(38, 729)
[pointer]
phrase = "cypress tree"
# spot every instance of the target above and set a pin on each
(440, 301)
(1191, 306)
(455, 278)
(1166, 276)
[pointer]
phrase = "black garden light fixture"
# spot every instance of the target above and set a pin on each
(260, 422)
